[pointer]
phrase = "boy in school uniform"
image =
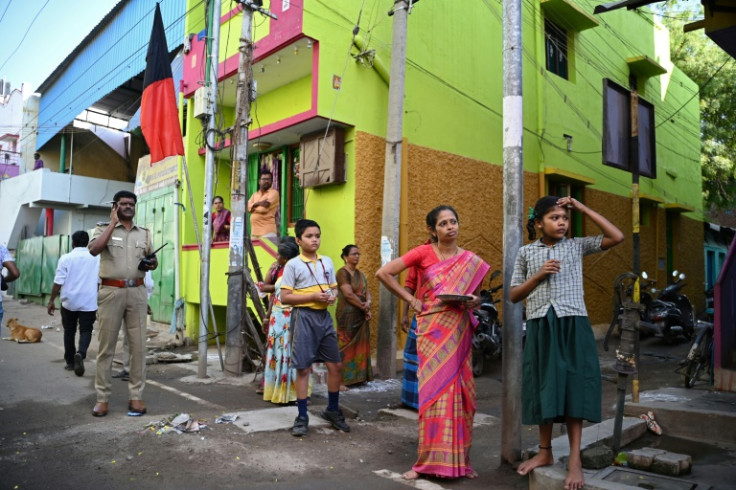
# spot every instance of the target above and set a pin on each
(309, 285)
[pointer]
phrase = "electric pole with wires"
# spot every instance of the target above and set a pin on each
(239, 281)
(387, 302)
(213, 50)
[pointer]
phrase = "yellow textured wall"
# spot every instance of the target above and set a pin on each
(369, 162)
(472, 187)
(475, 189)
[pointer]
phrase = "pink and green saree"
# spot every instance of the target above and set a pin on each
(446, 384)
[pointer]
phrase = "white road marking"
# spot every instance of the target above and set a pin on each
(162, 386)
(184, 394)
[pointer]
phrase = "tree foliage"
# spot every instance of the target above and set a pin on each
(714, 71)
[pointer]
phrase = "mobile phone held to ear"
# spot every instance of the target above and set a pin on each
(147, 261)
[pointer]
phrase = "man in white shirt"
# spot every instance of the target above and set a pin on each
(76, 278)
(8, 262)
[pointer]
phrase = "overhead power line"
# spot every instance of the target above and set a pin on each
(24, 35)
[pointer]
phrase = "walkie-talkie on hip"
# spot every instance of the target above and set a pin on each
(147, 261)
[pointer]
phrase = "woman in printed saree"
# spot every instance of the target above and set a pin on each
(220, 221)
(409, 383)
(449, 279)
(279, 377)
(353, 314)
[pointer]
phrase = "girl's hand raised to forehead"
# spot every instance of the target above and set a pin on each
(570, 203)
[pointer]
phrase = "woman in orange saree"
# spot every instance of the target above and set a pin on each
(449, 278)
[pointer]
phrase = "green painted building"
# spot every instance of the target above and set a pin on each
(321, 73)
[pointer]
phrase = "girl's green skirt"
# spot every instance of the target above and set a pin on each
(561, 373)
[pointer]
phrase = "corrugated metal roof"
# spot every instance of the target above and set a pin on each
(113, 53)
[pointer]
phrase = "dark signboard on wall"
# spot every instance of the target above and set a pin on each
(617, 131)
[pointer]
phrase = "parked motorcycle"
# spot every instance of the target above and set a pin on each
(671, 314)
(487, 339)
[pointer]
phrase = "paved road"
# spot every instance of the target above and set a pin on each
(49, 439)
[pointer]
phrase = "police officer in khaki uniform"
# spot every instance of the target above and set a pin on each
(121, 244)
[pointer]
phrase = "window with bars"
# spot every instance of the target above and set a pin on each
(555, 48)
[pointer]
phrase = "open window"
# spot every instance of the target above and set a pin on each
(283, 163)
(562, 19)
(555, 48)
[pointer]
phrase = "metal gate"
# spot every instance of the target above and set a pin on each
(155, 210)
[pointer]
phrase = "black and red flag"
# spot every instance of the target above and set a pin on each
(159, 110)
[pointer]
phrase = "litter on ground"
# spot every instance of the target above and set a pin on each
(226, 418)
(179, 423)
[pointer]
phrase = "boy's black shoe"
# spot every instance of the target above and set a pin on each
(78, 364)
(301, 426)
(123, 375)
(337, 419)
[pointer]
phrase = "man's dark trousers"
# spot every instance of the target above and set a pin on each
(69, 321)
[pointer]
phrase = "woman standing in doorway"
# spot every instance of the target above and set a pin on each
(220, 221)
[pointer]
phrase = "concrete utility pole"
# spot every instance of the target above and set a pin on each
(513, 216)
(386, 355)
(238, 263)
(213, 41)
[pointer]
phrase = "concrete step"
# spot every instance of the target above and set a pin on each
(553, 477)
(696, 414)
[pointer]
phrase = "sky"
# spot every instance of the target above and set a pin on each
(39, 34)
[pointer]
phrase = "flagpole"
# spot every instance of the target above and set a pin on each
(212, 62)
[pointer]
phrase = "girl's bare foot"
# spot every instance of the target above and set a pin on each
(410, 475)
(472, 474)
(542, 458)
(344, 388)
(575, 479)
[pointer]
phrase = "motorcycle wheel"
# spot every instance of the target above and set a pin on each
(478, 362)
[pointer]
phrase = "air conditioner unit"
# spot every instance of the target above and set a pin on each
(322, 158)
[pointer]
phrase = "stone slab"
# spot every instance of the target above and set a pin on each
(272, 419)
(642, 459)
(672, 464)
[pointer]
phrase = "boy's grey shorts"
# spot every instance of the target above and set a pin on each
(313, 338)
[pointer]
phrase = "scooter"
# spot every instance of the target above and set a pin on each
(671, 314)
(487, 339)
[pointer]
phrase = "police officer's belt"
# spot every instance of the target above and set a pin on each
(122, 283)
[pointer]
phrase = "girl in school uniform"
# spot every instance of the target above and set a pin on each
(561, 379)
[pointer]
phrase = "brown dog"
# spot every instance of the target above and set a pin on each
(21, 333)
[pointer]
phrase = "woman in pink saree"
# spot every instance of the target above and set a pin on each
(220, 221)
(448, 283)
